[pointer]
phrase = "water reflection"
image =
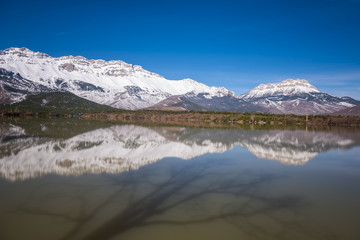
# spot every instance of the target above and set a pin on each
(214, 196)
(118, 148)
(193, 194)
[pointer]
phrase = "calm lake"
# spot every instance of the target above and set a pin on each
(73, 179)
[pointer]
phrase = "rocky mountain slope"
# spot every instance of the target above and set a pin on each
(14, 88)
(296, 96)
(353, 111)
(203, 102)
(114, 83)
(291, 96)
(122, 85)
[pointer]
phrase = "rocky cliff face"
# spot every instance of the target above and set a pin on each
(114, 83)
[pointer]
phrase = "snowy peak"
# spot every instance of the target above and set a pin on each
(74, 64)
(286, 87)
(22, 52)
(121, 85)
(295, 96)
(114, 83)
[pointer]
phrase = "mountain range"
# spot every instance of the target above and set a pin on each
(122, 85)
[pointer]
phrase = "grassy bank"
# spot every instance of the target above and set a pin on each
(191, 118)
(215, 119)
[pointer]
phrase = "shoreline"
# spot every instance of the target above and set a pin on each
(199, 118)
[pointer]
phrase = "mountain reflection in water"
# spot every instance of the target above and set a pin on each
(119, 148)
(164, 183)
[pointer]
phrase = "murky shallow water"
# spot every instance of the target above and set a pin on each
(65, 179)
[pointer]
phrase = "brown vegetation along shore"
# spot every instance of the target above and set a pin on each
(199, 118)
(213, 119)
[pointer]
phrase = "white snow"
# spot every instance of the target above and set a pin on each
(44, 102)
(127, 86)
(345, 104)
(286, 87)
(112, 76)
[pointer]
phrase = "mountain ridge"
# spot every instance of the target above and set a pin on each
(287, 86)
(296, 96)
(114, 83)
(121, 85)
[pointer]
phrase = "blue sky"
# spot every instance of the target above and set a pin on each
(235, 44)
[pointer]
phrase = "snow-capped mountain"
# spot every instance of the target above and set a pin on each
(122, 85)
(296, 96)
(114, 83)
(286, 87)
(117, 149)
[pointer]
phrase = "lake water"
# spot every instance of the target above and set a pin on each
(70, 179)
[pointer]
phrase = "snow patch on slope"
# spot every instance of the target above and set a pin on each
(113, 83)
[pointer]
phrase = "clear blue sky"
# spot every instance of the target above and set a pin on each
(235, 44)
